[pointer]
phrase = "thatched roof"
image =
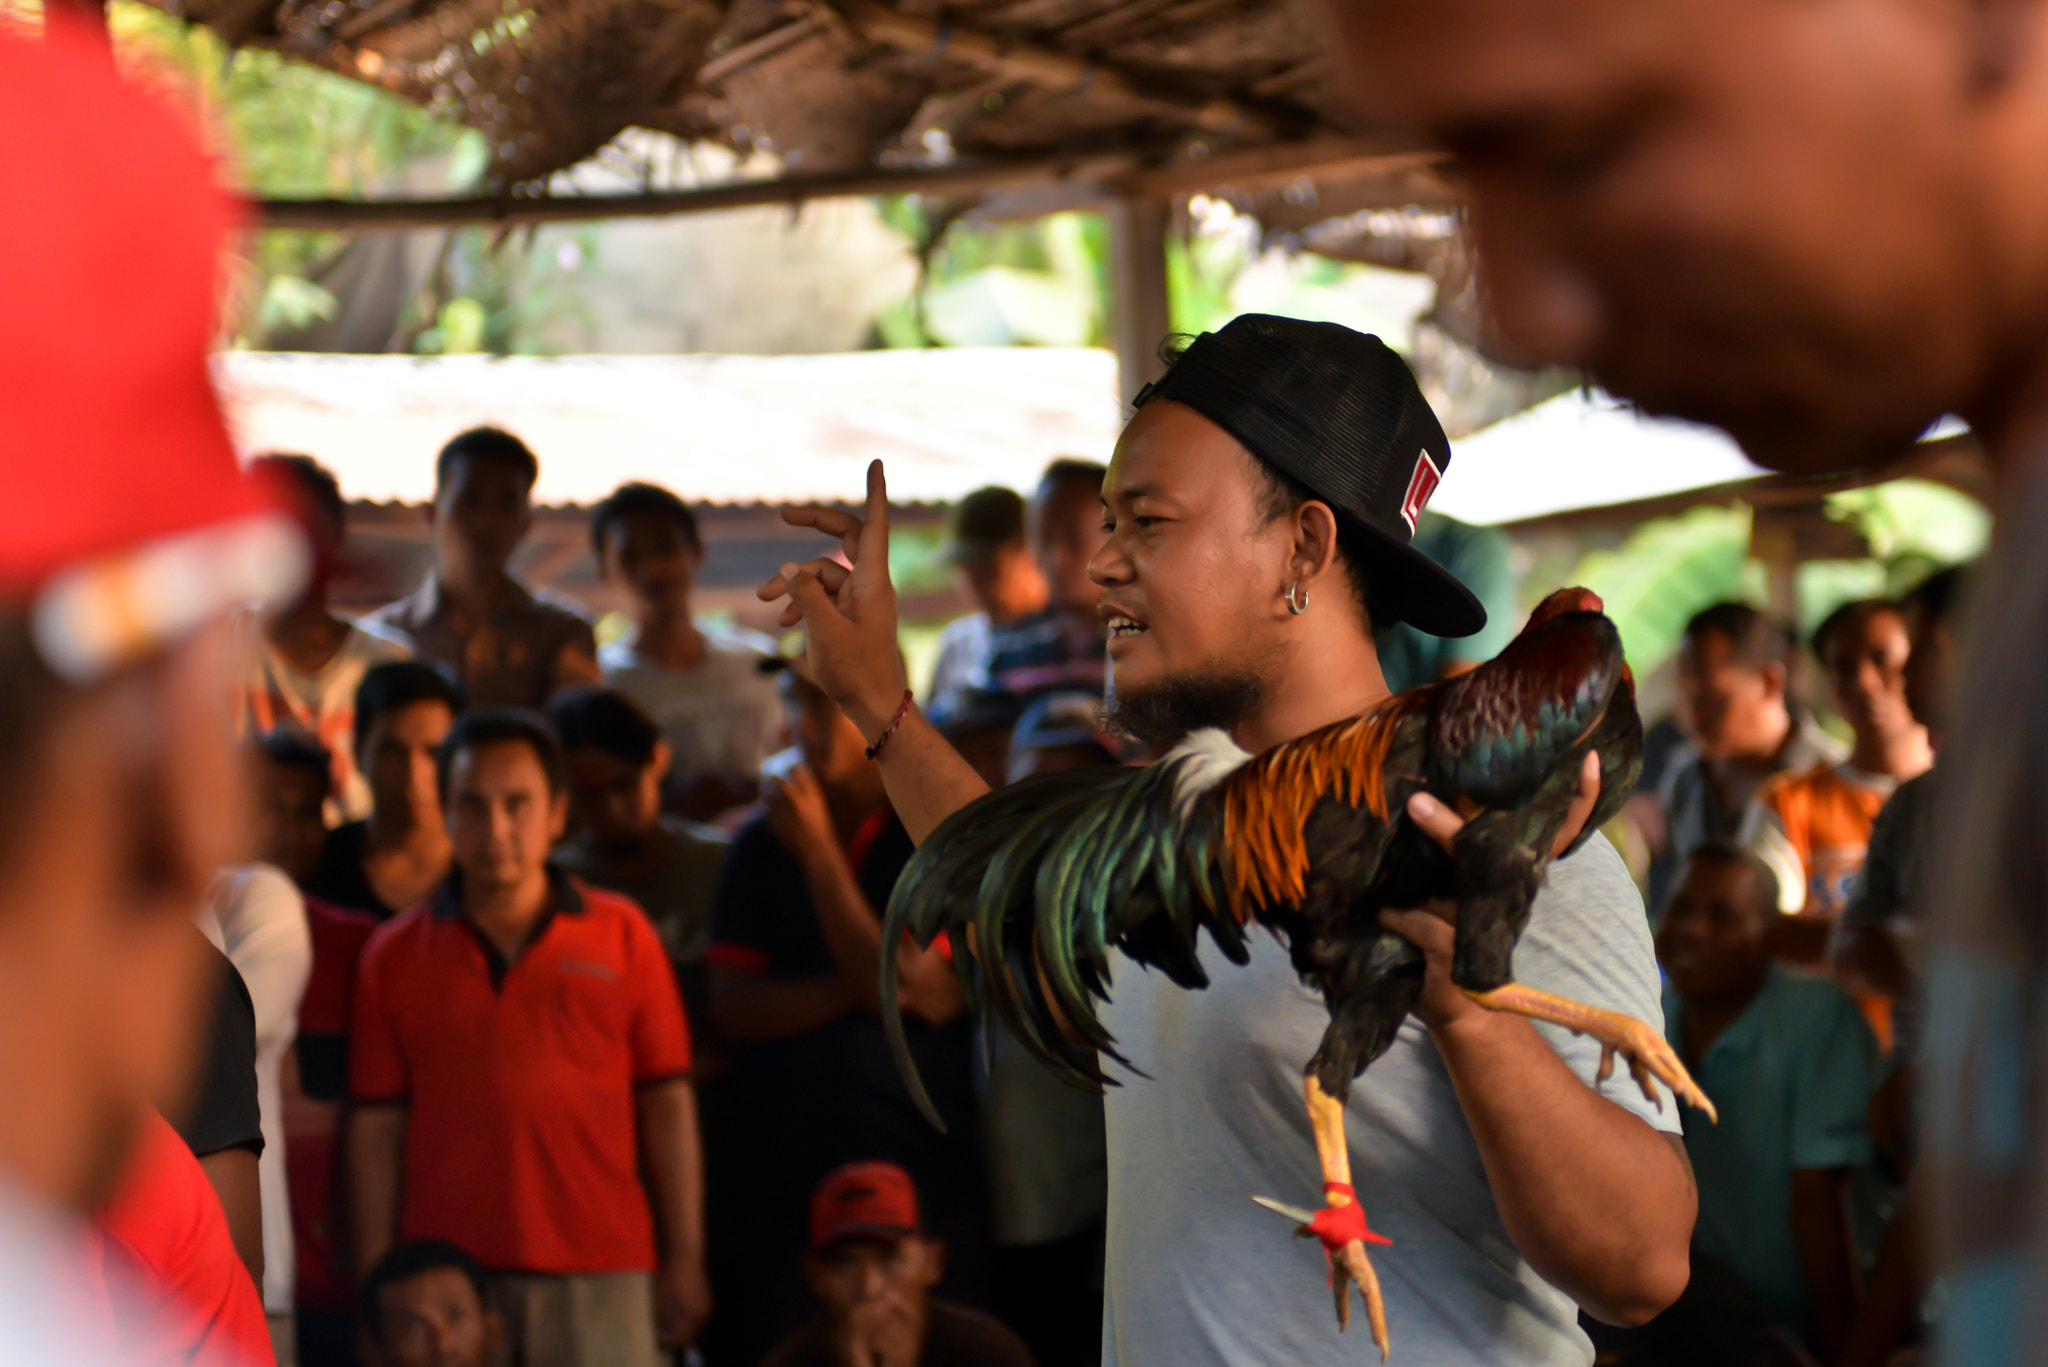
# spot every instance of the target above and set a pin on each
(830, 87)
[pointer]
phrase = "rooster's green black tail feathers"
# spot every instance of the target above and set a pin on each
(1050, 877)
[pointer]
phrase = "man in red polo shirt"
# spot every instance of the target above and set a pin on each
(519, 1053)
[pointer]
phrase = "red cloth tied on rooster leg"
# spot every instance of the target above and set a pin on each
(1311, 840)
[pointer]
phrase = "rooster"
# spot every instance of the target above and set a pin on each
(1310, 840)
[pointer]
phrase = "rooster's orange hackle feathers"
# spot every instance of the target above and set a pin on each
(1266, 803)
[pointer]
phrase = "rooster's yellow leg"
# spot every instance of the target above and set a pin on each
(1648, 1053)
(1348, 1260)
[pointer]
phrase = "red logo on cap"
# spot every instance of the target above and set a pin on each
(1421, 485)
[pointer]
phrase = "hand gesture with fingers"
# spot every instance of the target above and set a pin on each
(848, 615)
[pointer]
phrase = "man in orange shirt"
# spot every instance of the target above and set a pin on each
(519, 1057)
(1812, 826)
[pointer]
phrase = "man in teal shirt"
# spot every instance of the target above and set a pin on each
(1791, 1065)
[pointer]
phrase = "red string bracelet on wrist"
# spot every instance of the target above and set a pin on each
(902, 711)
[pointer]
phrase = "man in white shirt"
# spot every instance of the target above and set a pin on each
(1527, 1185)
(701, 682)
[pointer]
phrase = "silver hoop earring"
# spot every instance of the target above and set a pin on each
(1297, 598)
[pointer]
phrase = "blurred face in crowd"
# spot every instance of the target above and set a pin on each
(1066, 527)
(480, 516)
(1783, 218)
(435, 1320)
(1929, 667)
(129, 797)
(503, 817)
(832, 746)
(1191, 572)
(1866, 664)
(291, 816)
(876, 1279)
(1008, 584)
(1733, 710)
(398, 760)
(1715, 941)
(325, 536)
(653, 559)
(612, 799)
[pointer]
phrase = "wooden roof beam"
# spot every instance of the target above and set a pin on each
(1055, 70)
(1077, 179)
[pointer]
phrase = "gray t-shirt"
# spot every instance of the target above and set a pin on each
(1198, 1275)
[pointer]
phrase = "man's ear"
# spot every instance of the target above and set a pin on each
(1774, 679)
(1315, 544)
(662, 761)
(558, 815)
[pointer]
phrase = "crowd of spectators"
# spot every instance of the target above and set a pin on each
(544, 933)
(1786, 857)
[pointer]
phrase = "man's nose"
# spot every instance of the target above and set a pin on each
(1109, 565)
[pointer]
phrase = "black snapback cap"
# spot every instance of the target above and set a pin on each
(1340, 413)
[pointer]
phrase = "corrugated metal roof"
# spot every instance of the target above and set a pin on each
(717, 429)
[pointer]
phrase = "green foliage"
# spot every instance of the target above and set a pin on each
(1913, 524)
(1666, 571)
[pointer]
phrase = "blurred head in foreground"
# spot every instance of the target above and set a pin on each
(127, 531)
(1820, 226)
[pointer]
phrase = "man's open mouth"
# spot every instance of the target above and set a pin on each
(1124, 626)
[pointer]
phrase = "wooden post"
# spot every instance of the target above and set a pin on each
(1773, 541)
(1137, 273)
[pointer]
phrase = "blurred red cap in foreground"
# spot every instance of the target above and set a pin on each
(125, 519)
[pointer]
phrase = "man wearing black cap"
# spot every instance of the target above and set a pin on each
(1259, 509)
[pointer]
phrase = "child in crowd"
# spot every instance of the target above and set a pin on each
(424, 1306)
(700, 682)
(302, 663)
(995, 569)
(1790, 1064)
(1061, 646)
(620, 839)
(508, 647)
(872, 1269)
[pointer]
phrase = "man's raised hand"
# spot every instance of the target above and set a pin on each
(848, 615)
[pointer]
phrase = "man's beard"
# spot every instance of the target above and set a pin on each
(1223, 696)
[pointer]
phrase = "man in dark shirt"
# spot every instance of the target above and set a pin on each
(507, 646)
(224, 1125)
(792, 972)
(873, 1268)
(393, 858)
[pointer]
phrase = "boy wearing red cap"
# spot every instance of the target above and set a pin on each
(127, 532)
(872, 1268)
